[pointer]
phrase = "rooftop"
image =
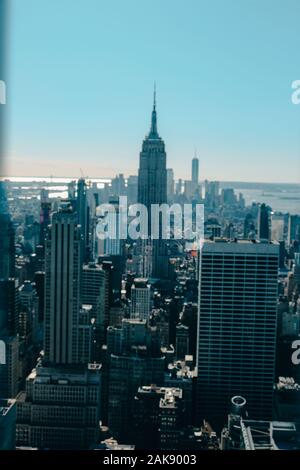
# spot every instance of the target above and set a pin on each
(6, 406)
(225, 245)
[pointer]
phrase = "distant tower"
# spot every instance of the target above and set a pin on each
(248, 225)
(7, 238)
(83, 217)
(152, 188)
(170, 184)
(45, 212)
(195, 171)
(263, 223)
(7, 247)
(293, 229)
(114, 245)
(62, 288)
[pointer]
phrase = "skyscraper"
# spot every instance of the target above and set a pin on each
(63, 273)
(7, 424)
(60, 407)
(170, 184)
(152, 189)
(7, 247)
(277, 226)
(195, 171)
(44, 220)
(140, 299)
(293, 228)
(263, 225)
(9, 304)
(7, 237)
(236, 327)
(83, 214)
(96, 291)
(134, 359)
(157, 417)
(114, 245)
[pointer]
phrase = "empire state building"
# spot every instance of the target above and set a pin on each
(152, 189)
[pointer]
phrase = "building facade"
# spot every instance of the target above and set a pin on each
(236, 327)
(152, 189)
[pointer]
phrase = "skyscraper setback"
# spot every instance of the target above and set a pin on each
(152, 189)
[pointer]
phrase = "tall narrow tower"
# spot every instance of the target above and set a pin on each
(62, 288)
(83, 214)
(263, 225)
(7, 238)
(152, 188)
(195, 171)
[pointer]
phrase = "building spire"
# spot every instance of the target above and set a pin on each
(153, 131)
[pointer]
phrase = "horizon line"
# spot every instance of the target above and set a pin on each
(110, 178)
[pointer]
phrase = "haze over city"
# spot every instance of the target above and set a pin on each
(80, 86)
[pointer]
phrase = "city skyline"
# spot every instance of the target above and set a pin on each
(97, 123)
(150, 230)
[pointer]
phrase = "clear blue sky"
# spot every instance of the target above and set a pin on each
(81, 83)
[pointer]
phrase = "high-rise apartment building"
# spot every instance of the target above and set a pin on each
(263, 224)
(170, 419)
(157, 417)
(29, 304)
(9, 304)
(140, 299)
(113, 245)
(9, 366)
(7, 424)
(62, 292)
(134, 359)
(170, 184)
(277, 227)
(60, 408)
(293, 228)
(96, 291)
(7, 247)
(83, 217)
(236, 327)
